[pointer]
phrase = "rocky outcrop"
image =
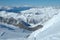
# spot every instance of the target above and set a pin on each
(19, 23)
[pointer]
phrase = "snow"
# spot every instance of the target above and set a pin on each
(50, 31)
(32, 16)
(11, 32)
(48, 17)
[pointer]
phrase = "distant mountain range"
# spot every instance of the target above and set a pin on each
(14, 9)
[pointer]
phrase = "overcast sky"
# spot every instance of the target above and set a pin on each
(29, 2)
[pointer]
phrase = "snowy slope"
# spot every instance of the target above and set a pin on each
(48, 17)
(11, 32)
(50, 31)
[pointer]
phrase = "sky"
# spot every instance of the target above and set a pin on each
(29, 2)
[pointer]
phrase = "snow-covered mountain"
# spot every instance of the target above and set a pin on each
(30, 17)
(14, 9)
(50, 31)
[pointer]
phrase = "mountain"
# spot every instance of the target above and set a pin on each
(30, 17)
(33, 15)
(50, 31)
(14, 9)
